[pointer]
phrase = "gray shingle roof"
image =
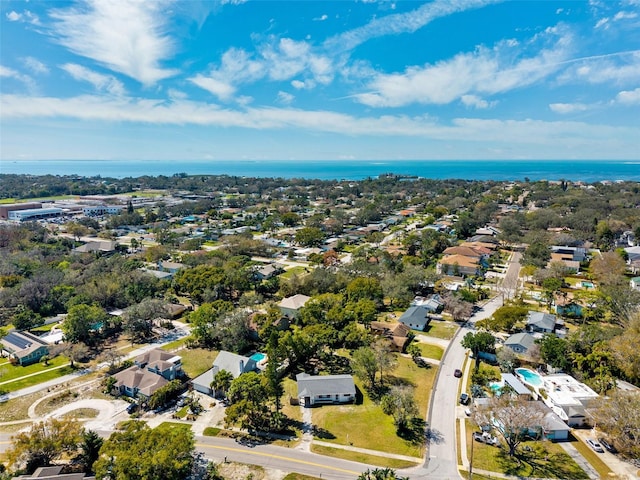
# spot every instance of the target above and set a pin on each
(311, 386)
(235, 364)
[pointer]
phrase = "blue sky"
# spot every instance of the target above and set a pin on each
(303, 80)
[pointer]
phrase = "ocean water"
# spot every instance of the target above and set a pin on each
(573, 170)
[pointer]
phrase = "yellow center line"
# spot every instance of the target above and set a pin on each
(280, 457)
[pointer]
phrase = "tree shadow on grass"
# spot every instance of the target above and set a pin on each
(323, 433)
(415, 432)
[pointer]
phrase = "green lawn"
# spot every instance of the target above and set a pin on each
(430, 351)
(353, 424)
(196, 361)
(294, 271)
(9, 200)
(36, 379)
(444, 330)
(361, 457)
(290, 390)
(176, 344)
(545, 459)
(43, 328)
(11, 372)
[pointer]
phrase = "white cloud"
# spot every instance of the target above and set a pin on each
(603, 22)
(620, 68)
(321, 18)
(232, 2)
(107, 83)
(35, 65)
(220, 89)
(631, 97)
(276, 59)
(25, 16)
(176, 94)
(484, 71)
(7, 72)
(625, 15)
(14, 16)
(475, 102)
(127, 37)
(285, 98)
(566, 108)
(401, 22)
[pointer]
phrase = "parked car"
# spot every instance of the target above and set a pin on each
(132, 408)
(607, 445)
(464, 399)
(457, 373)
(477, 436)
(595, 445)
(467, 412)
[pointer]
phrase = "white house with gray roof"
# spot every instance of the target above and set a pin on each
(323, 389)
(520, 342)
(541, 322)
(235, 364)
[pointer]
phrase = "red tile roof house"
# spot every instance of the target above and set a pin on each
(152, 370)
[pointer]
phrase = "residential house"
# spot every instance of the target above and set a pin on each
(520, 342)
(268, 271)
(290, 306)
(235, 364)
(23, 347)
(576, 254)
(568, 398)
(433, 304)
(322, 389)
(170, 267)
(415, 317)
(397, 333)
(516, 385)
(458, 265)
(635, 283)
(100, 246)
(161, 362)
(540, 322)
(466, 252)
(151, 371)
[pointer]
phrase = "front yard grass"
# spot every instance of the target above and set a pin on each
(176, 344)
(290, 391)
(11, 372)
(361, 457)
(544, 460)
(440, 329)
(293, 271)
(36, 379)
(430, 351)
(196, 361)
(354, 424)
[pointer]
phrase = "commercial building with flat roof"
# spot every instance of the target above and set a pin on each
(34, 214)
(13, 207)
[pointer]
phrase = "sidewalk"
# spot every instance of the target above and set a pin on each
(377, 453)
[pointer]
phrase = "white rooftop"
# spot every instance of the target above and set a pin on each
(564, 390)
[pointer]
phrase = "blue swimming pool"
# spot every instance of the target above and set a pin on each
(257, 357)
(529, 376)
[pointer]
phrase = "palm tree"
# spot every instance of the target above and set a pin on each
(380, 474)
(221, 382)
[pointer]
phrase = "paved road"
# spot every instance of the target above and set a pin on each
(442, 462)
